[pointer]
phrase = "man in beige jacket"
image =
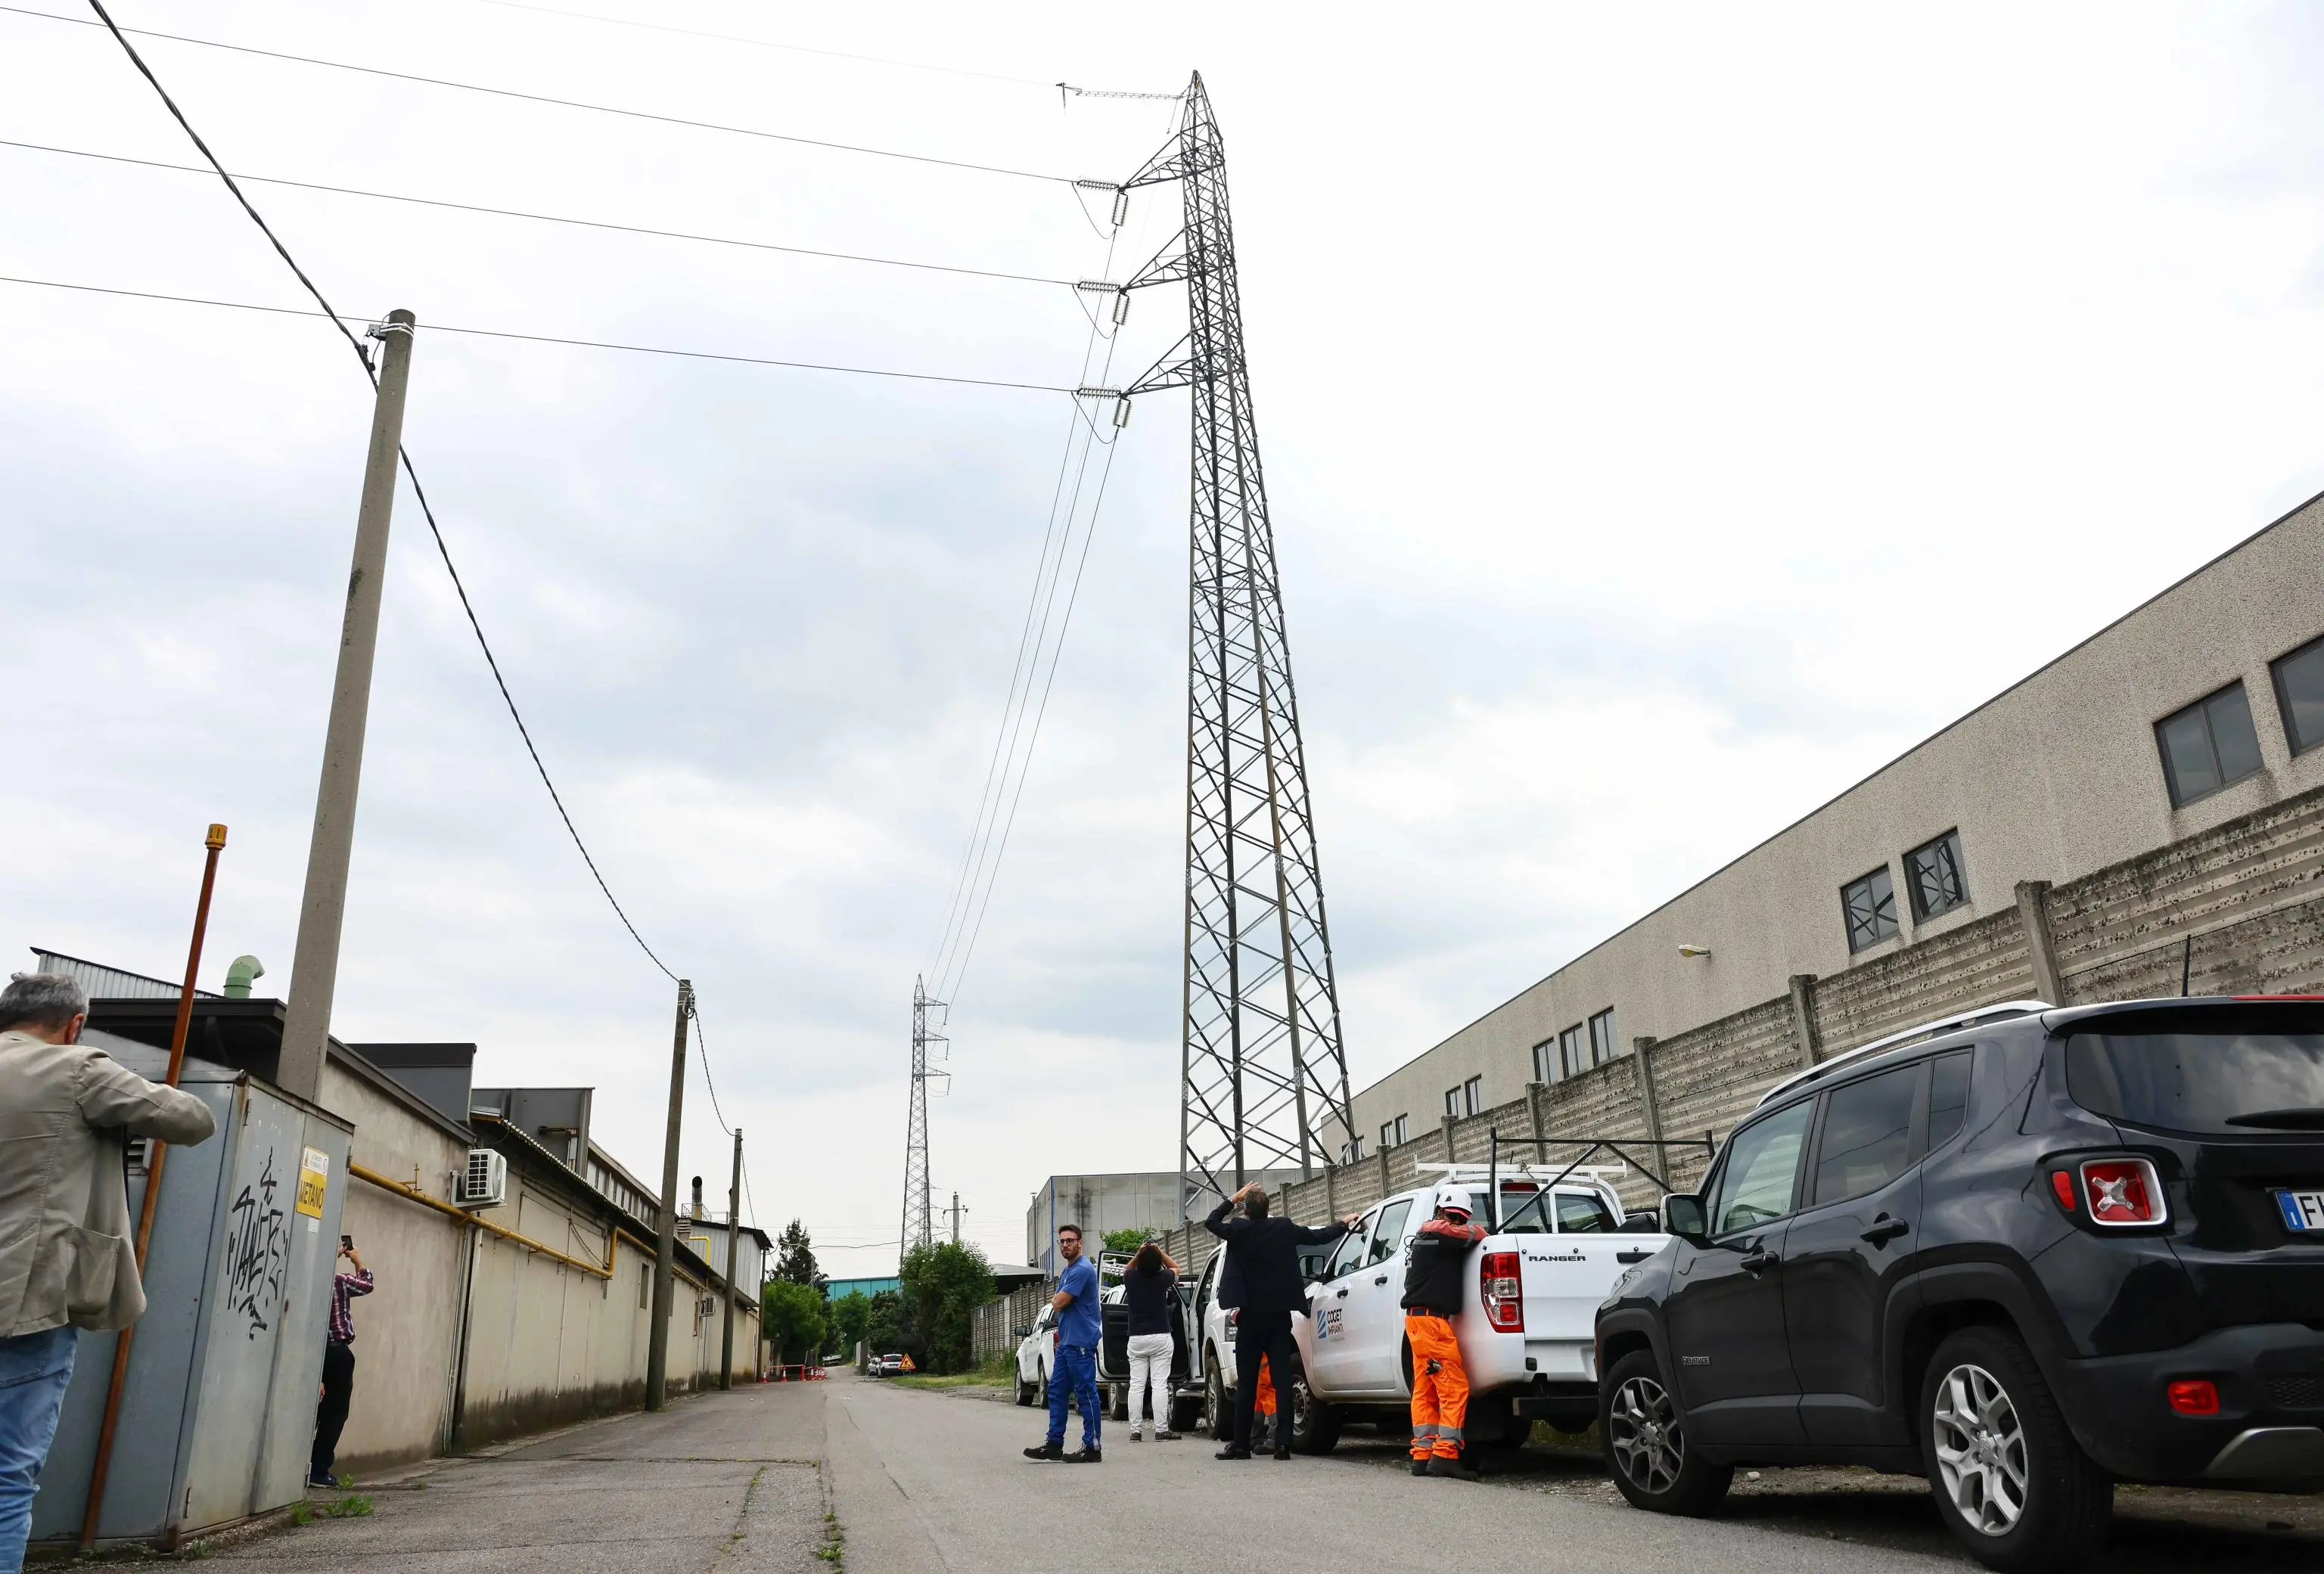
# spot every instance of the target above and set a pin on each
(67, 1261)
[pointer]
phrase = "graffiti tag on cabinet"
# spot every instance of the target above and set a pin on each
(257, 1251)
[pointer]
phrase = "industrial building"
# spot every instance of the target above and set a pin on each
(1146, 1200)
(2186, 733)
(491, 1318)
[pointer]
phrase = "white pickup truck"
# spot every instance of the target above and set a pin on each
(1527, 1324)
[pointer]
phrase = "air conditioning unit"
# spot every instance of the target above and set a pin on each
(484, 1183)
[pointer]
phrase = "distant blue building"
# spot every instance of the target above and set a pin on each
(836, 1288)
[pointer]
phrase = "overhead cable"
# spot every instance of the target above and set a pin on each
(765, 43)
(548, 339)
(418, 493)
(548, 99)
(634, 229)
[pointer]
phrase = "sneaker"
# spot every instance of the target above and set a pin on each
(1093, 1455)
(1231, 1452)
(1456, 1469)
(1134, 1437)
(1046, 1451)
(313, 1480)
(1168, 1437)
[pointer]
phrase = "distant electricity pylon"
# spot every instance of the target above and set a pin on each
(1263, 1079)
(919, 1221)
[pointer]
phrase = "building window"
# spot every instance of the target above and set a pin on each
(1403, 1131)
(1545, 1061)
(1571, 1053)
(1352, 1151)
(2299, 696)
(2208, 746)
(1934, 877)
(1602, 1037)
(1453, 1102)
(1871, 906)
(1473, 1096)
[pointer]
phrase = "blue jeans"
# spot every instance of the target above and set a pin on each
(1075, 1372)
(34, 1369)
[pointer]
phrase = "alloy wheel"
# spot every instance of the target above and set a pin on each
(1643, 1429)
(1981, 1459)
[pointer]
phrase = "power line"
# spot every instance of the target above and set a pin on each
(411, 473)
(634, 229)
(767, 43)
(544, 339)
(546, 98)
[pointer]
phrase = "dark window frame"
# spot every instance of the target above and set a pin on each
(2284, 707)
(1602, 1044)
(1453, 1102)
(1472, 1095)
(1879, 910)
(1572, 1048)
(1545, 1060)
(1959, 860)
(2202, 708)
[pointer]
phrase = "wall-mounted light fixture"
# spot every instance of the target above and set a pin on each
(1695, 951)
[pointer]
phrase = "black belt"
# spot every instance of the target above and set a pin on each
(1427, 1312)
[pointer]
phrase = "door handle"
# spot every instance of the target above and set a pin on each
(1632, 1257)
(1885, 1229)
(1382, 1280)
(1759, 1262)
(1341, 1296)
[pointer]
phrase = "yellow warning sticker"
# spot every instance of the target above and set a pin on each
(314, 1175)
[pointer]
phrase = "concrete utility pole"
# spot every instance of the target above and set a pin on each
(315, 964)
(734, 1252)
(666, 1243)
(955, 1210)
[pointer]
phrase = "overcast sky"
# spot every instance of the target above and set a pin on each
(1670, 415)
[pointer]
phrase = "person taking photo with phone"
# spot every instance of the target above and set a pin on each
(352, 1279)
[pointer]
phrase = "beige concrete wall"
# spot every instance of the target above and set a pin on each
(407, 1331)
(2051, 780)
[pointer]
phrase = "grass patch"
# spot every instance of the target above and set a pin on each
(834, 1549)
(1000, 1372)
(354, 1506)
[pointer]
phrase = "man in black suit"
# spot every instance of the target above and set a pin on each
(1265, 1259)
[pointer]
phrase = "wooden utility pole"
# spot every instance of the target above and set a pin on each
(666, 1242)
(322, 911)
(734, 1253)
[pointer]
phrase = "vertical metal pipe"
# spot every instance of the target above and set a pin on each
(322, 909)
(156, 1151)
(734, 1251)
(666, 1240)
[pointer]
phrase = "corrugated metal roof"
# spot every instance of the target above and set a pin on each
(109, 983)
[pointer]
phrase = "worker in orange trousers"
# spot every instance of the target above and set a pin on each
(1435, 1268)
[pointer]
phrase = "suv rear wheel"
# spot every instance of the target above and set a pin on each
(2011, 1483)
(1646, 1443)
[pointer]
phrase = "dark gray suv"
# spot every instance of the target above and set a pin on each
(2026, 1254)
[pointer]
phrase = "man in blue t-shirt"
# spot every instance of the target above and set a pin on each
(1073, 1370)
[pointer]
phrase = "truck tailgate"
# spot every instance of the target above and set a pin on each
(1566, 1276)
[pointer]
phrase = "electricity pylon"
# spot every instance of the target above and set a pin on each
(919, 1222)
(1263, 1079)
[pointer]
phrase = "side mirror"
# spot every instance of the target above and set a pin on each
(1683, 1215)
(1025, 1332)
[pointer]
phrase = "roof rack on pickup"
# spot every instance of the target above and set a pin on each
(1592, 1146)
(2002, 1011)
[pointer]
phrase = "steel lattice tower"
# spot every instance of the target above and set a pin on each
(1263, 1080)
(920, 1220)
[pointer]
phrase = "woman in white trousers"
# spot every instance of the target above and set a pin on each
(1150, 1284)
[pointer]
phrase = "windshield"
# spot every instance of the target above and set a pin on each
(2201, 1083)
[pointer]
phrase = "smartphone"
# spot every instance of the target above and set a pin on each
(347, 1243)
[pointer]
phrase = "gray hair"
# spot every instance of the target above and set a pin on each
(46, 1000)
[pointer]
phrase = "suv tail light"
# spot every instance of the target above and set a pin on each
(1503, 1291)
(2123, 1193)
(2194, 1397)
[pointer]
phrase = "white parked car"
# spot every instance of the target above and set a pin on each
(1528, 1320)
(1036, 1353)
(1206, 1393)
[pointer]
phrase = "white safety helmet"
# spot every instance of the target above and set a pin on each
(1451, 1200)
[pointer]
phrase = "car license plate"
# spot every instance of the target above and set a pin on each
(2301, 1211)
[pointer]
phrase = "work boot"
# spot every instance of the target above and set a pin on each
(1046, 1451)
(1420, 1465)
(1231, 1452)
(1091, 1455)
(1457, 1469)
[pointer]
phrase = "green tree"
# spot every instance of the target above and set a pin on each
(883, 1323)
(794, 1257)
(794, 1320)
(851, 1321)
(1125, 1240)
(944, 1284)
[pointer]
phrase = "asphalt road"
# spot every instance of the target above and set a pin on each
(928, 1481)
